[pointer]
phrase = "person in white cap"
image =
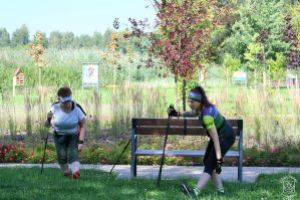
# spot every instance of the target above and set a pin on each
(67, 119)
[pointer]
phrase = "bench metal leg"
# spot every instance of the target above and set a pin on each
(240, 170)
(133, 166)
(133, 158)
(133, 149)
(240, 164)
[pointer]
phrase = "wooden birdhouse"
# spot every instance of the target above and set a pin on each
(18, 79)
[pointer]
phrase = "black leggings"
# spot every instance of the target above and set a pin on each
(227, 139)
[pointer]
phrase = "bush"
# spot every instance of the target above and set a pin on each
(36, 155)
(13, 153)
(107, 153)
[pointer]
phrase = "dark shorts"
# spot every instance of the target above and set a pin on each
(227, 139)
(66, 148)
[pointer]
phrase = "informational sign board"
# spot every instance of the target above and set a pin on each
(291, 79)
(239, 77)
(90, 75)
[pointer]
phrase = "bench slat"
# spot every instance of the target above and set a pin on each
(173, 130)
(180, 153)
(176, 121)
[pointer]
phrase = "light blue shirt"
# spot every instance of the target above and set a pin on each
(66, 123)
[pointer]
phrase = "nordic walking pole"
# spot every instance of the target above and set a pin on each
(163, 153)
(119, 157)
(47, 124)
(46, 141)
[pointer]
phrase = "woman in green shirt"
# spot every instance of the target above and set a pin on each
(221, 135)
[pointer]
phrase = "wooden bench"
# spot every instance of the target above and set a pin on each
(181, 126)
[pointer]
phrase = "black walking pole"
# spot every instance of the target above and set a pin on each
(121, 154)
(46, 141)
(163, 153)
(47, 124)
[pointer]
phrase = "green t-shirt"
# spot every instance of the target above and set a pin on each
(211, 117)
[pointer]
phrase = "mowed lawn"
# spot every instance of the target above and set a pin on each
(28, 183)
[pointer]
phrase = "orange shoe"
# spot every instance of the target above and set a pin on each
(67, 174)
(76, 175)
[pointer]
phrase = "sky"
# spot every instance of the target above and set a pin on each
(77, 16)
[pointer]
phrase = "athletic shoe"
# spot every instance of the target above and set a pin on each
(67, 174)
(186, 190)
(76, 175)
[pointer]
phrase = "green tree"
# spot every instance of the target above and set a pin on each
(252, 56)
(98, 40)
(292, 36)
(295, 13)
(183, 35)
(55, 40)
(277, 67)
(231, 64)
(67, 40)
(86, 40)
(107, 36)
(4, 37)
(83, 41)
(20, 36)
(261, 17)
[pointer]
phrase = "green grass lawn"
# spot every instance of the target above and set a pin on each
(24, 183)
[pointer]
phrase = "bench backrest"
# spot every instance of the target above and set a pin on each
(178, 126)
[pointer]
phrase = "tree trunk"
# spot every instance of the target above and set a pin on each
(183, 95)
(177, 99)
(264, 79)
(40, 76)
(227, 82)
(114, 79)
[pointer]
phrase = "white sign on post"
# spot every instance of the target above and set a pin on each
(239, 77)
(90, 74)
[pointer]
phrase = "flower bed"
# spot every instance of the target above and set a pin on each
(107, 153)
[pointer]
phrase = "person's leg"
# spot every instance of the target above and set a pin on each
(209, 168)
(208, 165)
(225, 144)
(61, 152)
(203, 180)
(195, 191)
(217, 181)
(216, 178)
(73, 156)
(205, 177)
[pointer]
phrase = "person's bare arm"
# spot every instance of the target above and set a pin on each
(188, 114)
(81, 133)
(214, 135)
(48, 120)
